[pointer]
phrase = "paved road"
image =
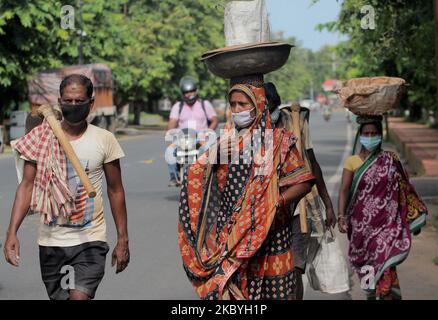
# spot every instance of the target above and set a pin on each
(155, 271)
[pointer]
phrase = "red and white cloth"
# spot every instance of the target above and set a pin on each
(51, 195)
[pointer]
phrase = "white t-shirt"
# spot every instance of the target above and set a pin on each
(94, 148)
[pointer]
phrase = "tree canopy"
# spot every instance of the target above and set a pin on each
(401, 44)
(149, 45)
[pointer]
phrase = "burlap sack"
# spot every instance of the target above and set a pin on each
(374, 96)
(246, 22)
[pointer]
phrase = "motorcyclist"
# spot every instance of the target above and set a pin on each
(191, 112)
(326, 112)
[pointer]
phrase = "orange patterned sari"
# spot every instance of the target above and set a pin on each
(234, 240)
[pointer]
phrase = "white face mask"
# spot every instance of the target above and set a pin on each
(243, 119)
(371, 143)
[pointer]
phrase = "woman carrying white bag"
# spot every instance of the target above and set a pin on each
(327, 270)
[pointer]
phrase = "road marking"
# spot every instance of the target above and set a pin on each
(6, 156)
(150, 161)
(334, 179)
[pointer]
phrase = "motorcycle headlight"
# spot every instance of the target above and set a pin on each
(191, 144)
(187, 144)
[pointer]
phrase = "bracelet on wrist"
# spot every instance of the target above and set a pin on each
(283, 201)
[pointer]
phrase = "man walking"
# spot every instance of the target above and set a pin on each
(316, 200)
(72, 233)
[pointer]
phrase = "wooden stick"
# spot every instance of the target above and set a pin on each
(297, 132)
(49, 115)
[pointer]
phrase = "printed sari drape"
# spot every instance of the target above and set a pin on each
(384, 209)
(234, 240)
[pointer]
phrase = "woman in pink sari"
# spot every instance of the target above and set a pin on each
(379, 209)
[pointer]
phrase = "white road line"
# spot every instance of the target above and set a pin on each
(334, 179)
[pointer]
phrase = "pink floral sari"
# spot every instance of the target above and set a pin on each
(384, 209)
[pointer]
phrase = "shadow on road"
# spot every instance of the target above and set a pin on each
(174, 197)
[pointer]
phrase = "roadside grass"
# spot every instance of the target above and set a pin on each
(7, 150)
(147, 118)
(435, 261)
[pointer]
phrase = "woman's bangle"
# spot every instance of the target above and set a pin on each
(342, 217)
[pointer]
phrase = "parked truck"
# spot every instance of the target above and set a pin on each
(44, 89)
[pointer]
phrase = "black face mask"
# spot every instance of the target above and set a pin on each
(190, 101)
(75, 113)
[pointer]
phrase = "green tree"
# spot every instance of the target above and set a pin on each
(400, 45)
(294, 79)
(304, 72)
(170, 36)
(149, 45)
(29, 35)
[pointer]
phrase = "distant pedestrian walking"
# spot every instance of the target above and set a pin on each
(235, 225)
(379, 208)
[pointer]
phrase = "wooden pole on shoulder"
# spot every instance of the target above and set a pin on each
(297, 132)
(49, 114)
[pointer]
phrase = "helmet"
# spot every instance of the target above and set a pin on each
(188, 84)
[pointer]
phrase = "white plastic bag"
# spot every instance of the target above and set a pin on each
(246, 22)
(328, 272)
(19, 163)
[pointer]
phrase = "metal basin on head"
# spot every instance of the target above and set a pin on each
(238, 61)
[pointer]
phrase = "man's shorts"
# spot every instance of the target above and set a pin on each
(80, 267)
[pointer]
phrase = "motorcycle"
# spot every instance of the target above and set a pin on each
(186, 152)
(189, 148)
(326, 113)
(348, 115)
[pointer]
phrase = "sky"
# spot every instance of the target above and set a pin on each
(298, 18)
